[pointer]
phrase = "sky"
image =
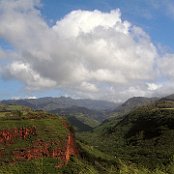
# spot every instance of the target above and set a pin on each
(98, 49)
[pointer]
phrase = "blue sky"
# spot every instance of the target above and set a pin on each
(155, 17)
(35, 36)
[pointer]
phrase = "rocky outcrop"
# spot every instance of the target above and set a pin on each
(8, 135)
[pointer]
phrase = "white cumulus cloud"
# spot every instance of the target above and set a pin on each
(86, 53)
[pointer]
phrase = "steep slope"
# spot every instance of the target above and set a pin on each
(80, 118)
(131, 104)
(143, 137)
(34, 139)
(82, 123)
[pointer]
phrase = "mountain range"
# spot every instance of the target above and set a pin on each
(52, 103)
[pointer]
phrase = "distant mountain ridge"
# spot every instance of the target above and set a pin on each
(135, 102)
(50, 103)
(168, 98)
(97, 115)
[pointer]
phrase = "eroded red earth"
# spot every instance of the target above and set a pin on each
(8, 135)
(39, 148)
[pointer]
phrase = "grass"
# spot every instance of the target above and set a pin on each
(49, 128)
(39, 166)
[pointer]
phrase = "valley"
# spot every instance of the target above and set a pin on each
(135, 137)
(86, 87)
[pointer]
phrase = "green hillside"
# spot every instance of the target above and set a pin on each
(142, 138)
(33, 141)
(131, 104)
(140, 142)
(80, 118)
(81, 122)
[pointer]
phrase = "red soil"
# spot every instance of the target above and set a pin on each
(8, 135)
(39, 148)
(71, 149)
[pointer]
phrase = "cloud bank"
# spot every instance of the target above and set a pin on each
(90, 54)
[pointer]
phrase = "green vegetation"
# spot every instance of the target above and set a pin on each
(48, 129)
(143, 139)
(94, 161)
(86, 120)
(140, 142)
(81, 122)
